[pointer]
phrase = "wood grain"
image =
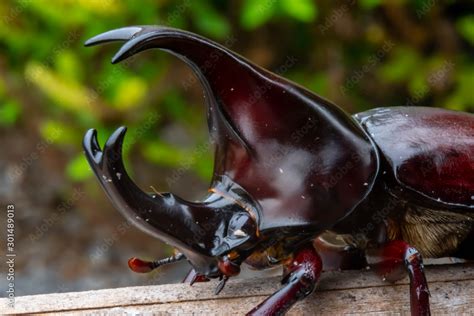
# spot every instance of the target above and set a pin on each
(345, 292)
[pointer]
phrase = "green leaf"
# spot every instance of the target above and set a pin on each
(163, 154)
(418, 87)
(199, 160)
(401, 65)
(60, 133)
(303, 10)
(369, 4)
(2, 88)
(319, 83)
(465, 26)
(68, 66)
(130, 92)
(175, 106)
(9, 113)
(461, 99)
(78, 169)
(209, 21)
(67, 94)
(204, 166)
(256, 13)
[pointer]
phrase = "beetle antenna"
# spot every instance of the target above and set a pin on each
(143, 266)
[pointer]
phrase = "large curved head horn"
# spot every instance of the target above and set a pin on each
(164, 216)
(280, 142)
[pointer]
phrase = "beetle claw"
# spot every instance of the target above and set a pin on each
(221, 285)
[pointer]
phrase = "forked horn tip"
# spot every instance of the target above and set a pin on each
(121, 34)
(90, 143)
(115, 141)
(124, 52)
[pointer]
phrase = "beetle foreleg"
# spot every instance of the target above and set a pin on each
(391, 259)
(143, 266)
(300, 278)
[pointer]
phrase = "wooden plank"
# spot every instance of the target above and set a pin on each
(346, 292)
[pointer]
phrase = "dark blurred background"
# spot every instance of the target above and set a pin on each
(359, 54)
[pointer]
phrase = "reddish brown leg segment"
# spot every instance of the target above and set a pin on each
(300, 279)
(391, 259)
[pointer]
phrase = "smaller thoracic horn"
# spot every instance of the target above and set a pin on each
(190, 227)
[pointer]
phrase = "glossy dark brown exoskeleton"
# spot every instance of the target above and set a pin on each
(394, 184)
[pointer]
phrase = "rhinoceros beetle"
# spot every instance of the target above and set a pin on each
(394, 184)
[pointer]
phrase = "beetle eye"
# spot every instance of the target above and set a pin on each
(240, 233)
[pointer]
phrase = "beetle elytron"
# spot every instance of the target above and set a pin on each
(395, 183)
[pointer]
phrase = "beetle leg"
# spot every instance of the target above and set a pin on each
(301, 275)
(391, 259)
(143, 266)
(192, 276)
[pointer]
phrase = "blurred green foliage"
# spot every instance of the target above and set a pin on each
(256, 13)
(50, 82)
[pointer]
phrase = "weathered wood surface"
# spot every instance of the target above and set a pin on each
(347, 292)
